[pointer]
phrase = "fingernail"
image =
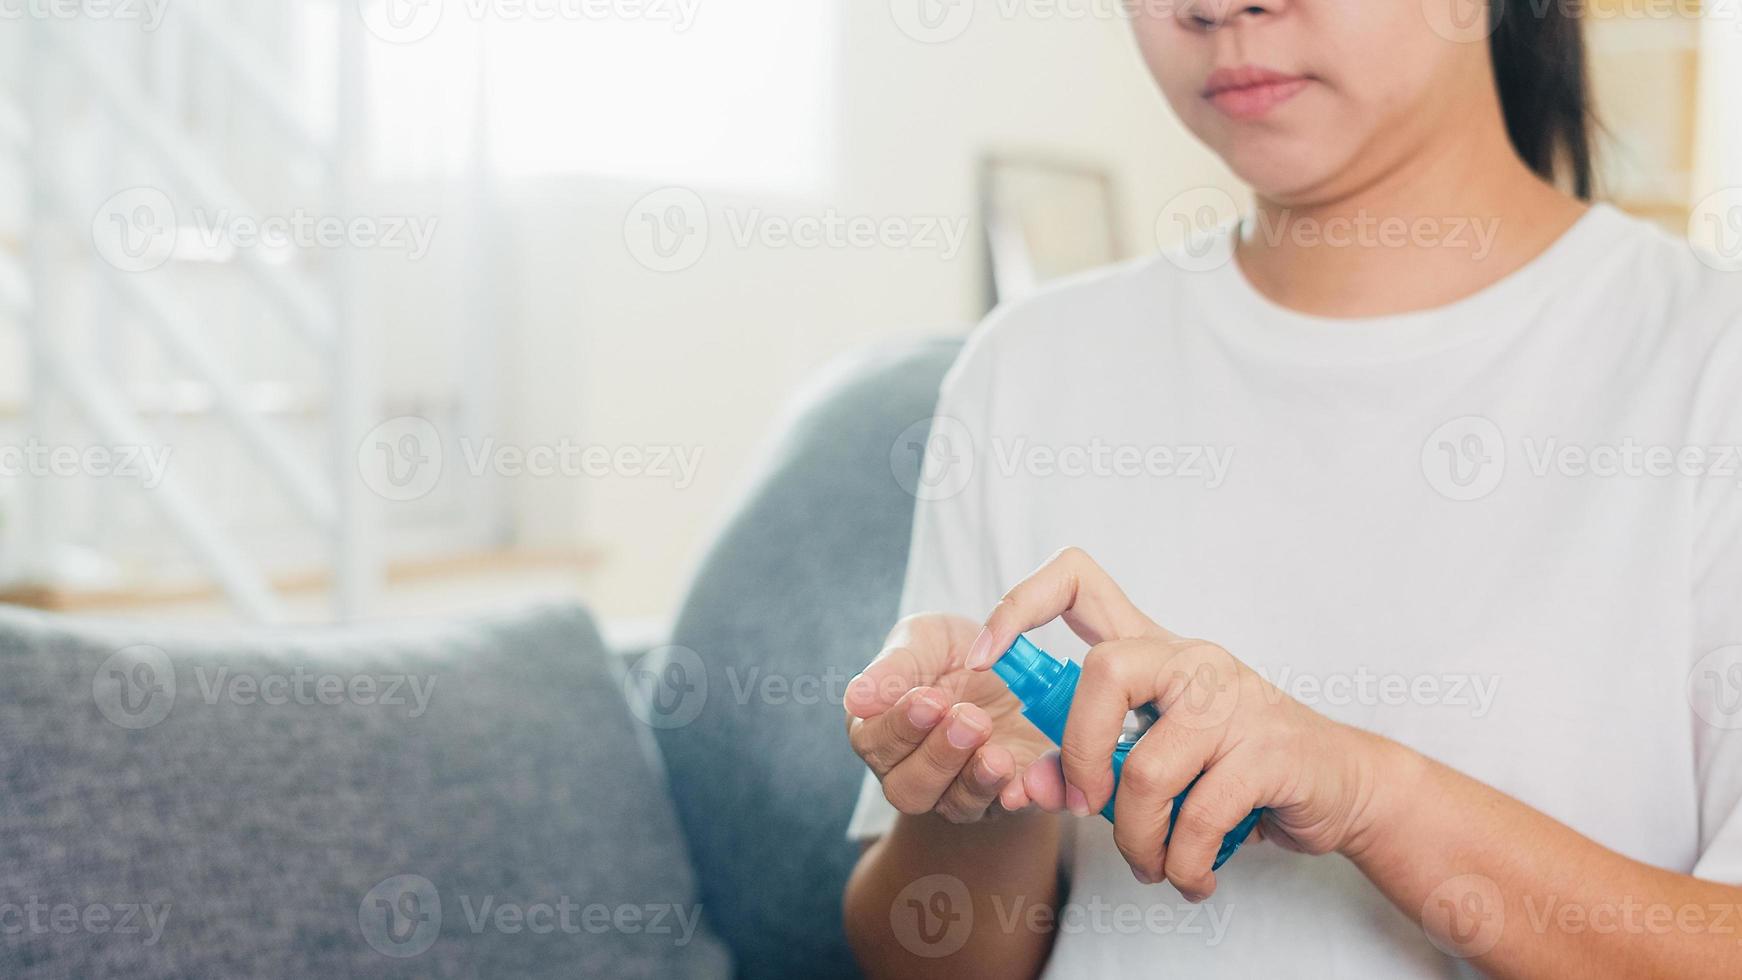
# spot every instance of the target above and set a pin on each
(1076, 801)
(980, 653)
(963, 733)
(1142, 876)
(924, 713)
(985, 774)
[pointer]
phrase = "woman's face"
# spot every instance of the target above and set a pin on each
(1308, 99)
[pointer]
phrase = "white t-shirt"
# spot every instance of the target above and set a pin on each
(1506, 532)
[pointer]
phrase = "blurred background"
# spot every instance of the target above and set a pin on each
(324, 309)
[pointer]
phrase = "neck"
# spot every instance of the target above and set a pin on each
(1447, 222)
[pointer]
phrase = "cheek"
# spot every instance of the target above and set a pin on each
(1177, 61)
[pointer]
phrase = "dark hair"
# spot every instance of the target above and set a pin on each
(1539, 65)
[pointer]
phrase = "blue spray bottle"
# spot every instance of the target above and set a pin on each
(1045, 685)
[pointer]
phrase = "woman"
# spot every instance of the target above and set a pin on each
(1448, 506)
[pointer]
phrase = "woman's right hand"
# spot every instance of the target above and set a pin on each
(941, 738)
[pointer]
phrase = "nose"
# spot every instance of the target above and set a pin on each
(1211, 15)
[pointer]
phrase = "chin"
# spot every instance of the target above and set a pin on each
(1285, 173)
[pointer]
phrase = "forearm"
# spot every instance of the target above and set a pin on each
(1008, 866)
(1523, 895)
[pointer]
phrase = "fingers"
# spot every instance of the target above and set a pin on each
(1044, 783)
(917, 783)
(980, 783)
(1014, 795)
(886, 739)
(1163, 763)
(916, 654)
(1117, 676)
(1070, 585)
(1219, 801)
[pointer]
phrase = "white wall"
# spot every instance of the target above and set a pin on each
(705, 357)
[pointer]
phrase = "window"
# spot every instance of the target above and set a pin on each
(681, 91)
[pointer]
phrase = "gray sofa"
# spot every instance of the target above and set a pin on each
(476, 798)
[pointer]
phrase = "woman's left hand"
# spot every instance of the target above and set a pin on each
(1254, 745)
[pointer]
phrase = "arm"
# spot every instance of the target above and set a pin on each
(899, 920)
(1522, 895)
(947, 891)
(1489, 878)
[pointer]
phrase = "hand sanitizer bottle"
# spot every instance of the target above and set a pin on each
(1045, 685)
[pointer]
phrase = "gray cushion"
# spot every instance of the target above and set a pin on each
(304, 838)
(792, 600)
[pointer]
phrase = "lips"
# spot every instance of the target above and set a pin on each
(1249, 93)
